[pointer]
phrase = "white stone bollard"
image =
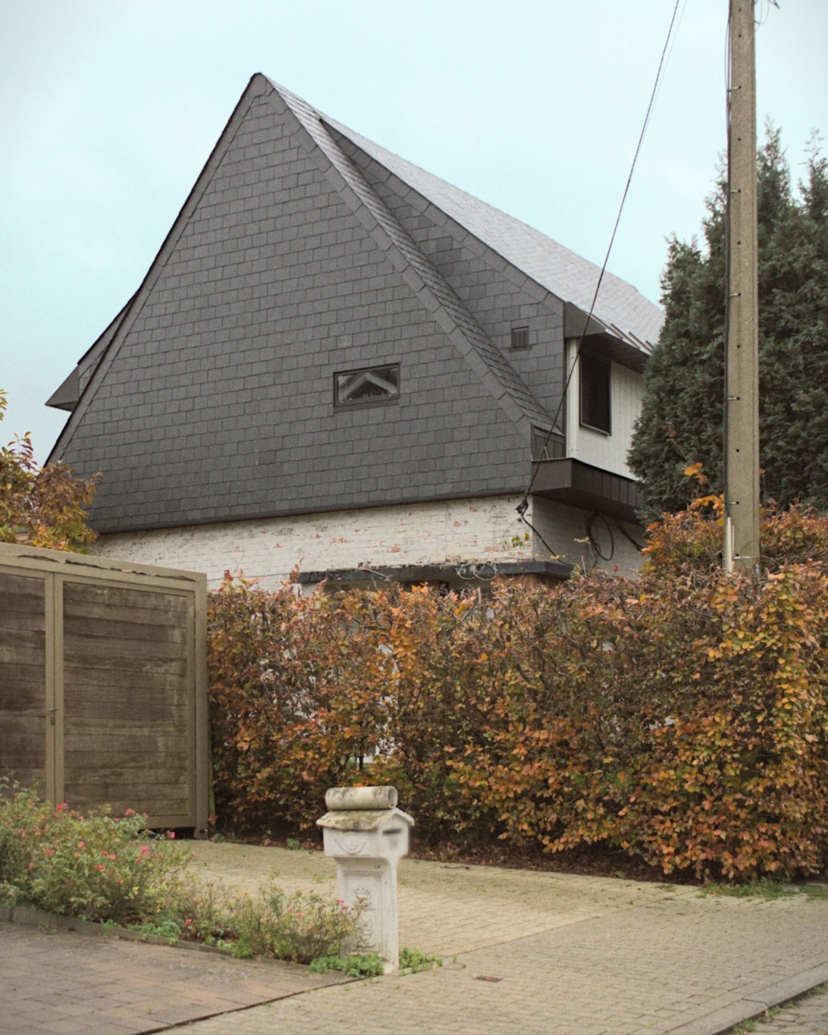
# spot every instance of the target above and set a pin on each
(368, 835)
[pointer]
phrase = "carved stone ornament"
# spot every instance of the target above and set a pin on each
(351, 843)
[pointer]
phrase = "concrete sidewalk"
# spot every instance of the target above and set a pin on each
(524, 953)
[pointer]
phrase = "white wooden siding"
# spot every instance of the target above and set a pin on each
(608, 452)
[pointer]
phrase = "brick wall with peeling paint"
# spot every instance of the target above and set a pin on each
(456, 532)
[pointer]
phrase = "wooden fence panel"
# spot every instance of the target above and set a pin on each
(103, 683)
(127, 692)
(23, 678)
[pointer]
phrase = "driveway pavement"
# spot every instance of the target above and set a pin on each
(807, 1016)
(67, 983)
(524, 953)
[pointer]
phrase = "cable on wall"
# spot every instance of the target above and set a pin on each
(593, 542)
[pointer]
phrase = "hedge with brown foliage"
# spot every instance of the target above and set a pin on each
(680, 715)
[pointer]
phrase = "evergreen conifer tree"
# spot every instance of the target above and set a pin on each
(681, 421)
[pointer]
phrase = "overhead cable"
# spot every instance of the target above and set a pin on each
(522, 506)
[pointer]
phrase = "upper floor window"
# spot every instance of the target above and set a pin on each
(364, 387)
(595, 392)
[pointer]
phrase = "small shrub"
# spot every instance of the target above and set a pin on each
(168, 929)
(42, 506)
(110, 869)
(300, 927)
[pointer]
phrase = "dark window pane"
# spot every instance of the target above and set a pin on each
(595, 392)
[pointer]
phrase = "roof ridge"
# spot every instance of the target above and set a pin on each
(479, 341)
(524, 246)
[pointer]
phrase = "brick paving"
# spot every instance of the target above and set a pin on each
(571, 956)
(686, 965)
(63, 983)
(808, 1016)
(444, 908)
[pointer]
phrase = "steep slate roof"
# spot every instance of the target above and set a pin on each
(179, 444)
(479, 350)
(620, 307)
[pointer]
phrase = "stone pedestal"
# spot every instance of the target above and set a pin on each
(367, 835)
(371, 884)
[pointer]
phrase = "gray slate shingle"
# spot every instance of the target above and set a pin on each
(563, 272)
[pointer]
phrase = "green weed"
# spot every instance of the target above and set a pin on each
(763, 887)
(412, 961)
(814, 890)
(368, 965)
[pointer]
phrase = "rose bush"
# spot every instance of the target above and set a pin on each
(111, 869)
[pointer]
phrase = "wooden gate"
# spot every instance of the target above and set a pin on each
(103, 683)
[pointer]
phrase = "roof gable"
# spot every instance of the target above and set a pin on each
(213, 398)
(209, 396)
(495, 370)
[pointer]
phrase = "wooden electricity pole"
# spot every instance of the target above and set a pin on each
(741, 473)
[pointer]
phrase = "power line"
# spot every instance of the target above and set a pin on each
(523, 505)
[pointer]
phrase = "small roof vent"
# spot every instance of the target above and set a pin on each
(520, 338)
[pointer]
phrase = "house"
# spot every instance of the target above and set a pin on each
(340, 363)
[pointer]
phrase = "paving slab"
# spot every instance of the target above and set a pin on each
(571, 955)
(525, 952)
(59, 981)
(693, 967)
(445, 908)
(808, 1016)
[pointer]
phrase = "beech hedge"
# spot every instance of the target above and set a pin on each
(679, 715)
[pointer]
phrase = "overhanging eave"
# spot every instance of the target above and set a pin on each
(622, 348)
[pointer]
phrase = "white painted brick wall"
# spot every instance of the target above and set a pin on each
(441, 533)
(565, 530)
(454, 532)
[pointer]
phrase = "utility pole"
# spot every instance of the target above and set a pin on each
(741, 525)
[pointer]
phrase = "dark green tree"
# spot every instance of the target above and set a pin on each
(681, 418)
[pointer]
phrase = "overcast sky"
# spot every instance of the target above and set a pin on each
(110, 109)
